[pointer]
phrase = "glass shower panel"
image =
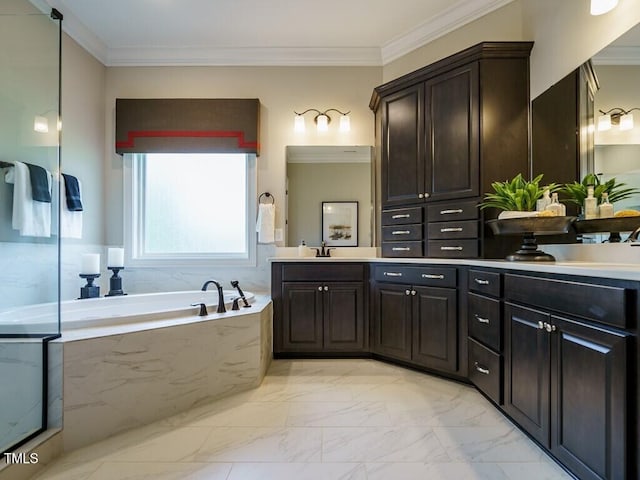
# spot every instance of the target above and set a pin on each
(29, 241)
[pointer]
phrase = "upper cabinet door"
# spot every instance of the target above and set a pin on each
(452, 135)
(402, 147)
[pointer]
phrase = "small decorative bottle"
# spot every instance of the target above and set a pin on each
(590, 205)
(558, 209)
(605, 209)
(542, 203)
(302, 249)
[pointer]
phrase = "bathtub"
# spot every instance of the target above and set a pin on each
(124, 362)
(108, 311)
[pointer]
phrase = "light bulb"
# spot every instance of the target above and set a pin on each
(345, 123)
(626, 121)
(323, 122)
(41, 124)
(604, 122)
(599, 7)
(298, 125)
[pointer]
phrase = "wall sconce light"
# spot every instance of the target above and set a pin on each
(322, 120)
(599, 7)
(616, 116)
(41, 122)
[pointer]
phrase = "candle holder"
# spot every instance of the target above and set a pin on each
(115, 283)
(89, 290)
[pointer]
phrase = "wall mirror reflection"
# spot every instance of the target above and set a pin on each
(617, 149)
(322, 173)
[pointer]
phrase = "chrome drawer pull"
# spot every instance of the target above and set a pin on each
(451, 229)
(484, 371)
(430, 275)
(392, 274)
(481, 319)
(451, 212)
(403, 215)
(480, 281)
(401, 249)
(452, 248)
(400, 232)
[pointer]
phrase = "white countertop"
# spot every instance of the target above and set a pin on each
(620, 271)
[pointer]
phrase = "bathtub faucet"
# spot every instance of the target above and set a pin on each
(236, 284)
(221, 308)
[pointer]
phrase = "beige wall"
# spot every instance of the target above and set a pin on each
(281, 90)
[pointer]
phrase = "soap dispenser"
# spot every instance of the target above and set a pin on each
(302, 249)
(590, 205)
(544, 202)
(605, 209)
(558, 209)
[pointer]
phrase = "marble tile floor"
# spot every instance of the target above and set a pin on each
(324, 420)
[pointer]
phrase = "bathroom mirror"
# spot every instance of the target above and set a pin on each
(617, 152)
(322, 173)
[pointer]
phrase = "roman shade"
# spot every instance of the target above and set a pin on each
(187, 125)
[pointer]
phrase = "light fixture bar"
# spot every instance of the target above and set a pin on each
(322, 120)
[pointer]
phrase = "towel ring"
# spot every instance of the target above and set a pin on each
(268, 195)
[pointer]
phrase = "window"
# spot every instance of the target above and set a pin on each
(186, 209)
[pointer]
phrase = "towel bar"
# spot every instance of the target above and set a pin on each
(268, 195)
(6, 165)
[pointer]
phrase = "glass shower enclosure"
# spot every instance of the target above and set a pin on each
(30, 43)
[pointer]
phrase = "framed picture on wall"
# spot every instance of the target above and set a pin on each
(340, 224)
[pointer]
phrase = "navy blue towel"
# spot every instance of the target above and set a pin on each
(72, 192)
(39, 183)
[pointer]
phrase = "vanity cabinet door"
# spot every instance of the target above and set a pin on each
(392, 321)
(343, 316)
(302, 316)
(402, 147)
(435, 332)
(452, 134)
(528, 370)
(589, 399)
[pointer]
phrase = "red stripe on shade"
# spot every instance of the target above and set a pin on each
(131, 136)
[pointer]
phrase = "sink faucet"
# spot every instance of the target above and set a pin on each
(323, 252)
(221, 308)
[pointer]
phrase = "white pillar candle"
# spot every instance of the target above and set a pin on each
(115, 257)
(90, 264)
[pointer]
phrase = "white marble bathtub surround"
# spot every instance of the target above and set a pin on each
(282, 430)
(121, 381)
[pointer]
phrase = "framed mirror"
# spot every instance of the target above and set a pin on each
(320, 174)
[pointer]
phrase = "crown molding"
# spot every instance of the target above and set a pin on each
(243, 56)
(617, 56)
(456, 16)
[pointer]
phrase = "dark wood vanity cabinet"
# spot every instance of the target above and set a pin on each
(445, 133)
(566, 375)
(415, 316)
(319, 308)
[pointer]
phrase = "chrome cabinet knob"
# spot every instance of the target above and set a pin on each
(413, 292)
(407, 292)
(420, 195)
(320, 288)
(426, 195)
(326, 289)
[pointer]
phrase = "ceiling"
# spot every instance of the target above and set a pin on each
(260, 32)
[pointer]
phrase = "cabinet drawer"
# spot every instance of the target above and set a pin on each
(601, 303)
(488, 283)
(402, 249)
(402, 233)
(310, 272)
(444, 212)
(392, 274)
(433, 276)
(442, 230)
(485, 321)
(485, 370)
(402, 216)
(452, 248)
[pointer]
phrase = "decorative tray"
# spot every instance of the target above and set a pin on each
(535, 225)
(602, 225)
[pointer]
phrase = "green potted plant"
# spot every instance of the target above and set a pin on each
(517, 195)
(576, 192)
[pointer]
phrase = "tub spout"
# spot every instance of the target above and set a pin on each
(221, 308)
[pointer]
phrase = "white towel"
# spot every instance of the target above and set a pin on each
(265, 226)
(70, 222)
(32, 219)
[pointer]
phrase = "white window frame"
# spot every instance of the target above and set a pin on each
(134, 208)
